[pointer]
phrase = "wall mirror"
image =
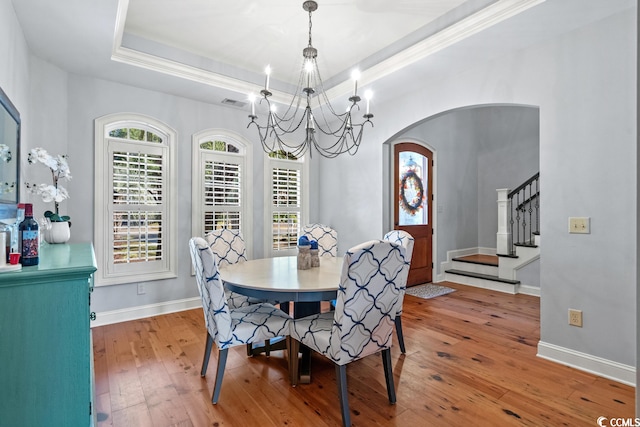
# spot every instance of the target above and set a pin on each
(9, 152)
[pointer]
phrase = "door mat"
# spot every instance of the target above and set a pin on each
(428, 290)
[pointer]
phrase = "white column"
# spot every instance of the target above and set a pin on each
(503, 236)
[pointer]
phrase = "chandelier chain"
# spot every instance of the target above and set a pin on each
(310, 25)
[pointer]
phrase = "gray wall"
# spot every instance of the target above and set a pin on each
(508, 155)
(452, 139)
(14, 67)
(588, 161)
(637, 234)
(584, 85)
(91, 98)
(478, 150)
(583, 82)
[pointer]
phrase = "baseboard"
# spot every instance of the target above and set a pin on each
(487, 251)
(140, 312)
(459, 253)
(585, 362)
(529, 290)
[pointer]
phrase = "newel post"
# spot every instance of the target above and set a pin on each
(503, 236)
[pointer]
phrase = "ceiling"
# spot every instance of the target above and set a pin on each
(212, 50)
(252, 34)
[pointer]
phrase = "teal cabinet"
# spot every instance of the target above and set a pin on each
(45, 344)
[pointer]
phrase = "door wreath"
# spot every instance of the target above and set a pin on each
(411, 202)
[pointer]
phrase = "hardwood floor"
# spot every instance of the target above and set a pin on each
(471, 361)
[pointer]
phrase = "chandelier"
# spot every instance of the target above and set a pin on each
(318, 117)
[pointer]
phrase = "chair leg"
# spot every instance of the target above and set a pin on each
(341, 379)
(294, 349)
(399, 333)
(388, 375)
(222, 361)
(207, 353)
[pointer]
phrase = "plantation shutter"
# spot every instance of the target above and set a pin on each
(138, 209)
(222, 198)
(286, 204)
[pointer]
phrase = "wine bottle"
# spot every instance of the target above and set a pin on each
(28, 235)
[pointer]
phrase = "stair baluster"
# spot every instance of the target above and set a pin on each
(520, 204)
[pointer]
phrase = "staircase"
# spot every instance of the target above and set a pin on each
(518, 247)
(498, 273)
(480, 271)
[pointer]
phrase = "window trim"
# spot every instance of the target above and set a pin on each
(102, 238)
(269, 164)
(246, 153)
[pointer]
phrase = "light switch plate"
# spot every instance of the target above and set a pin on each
(579, 225)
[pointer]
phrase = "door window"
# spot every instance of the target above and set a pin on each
(413, 185)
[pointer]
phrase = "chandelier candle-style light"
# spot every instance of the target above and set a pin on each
(319, 114)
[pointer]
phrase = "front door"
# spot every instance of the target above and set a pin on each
(413, 192)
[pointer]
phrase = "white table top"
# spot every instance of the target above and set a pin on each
(280, 278)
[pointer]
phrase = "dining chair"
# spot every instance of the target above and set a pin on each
(326, 237)
(371, 286)
(230, 248)
(229, 327)
(406, 240)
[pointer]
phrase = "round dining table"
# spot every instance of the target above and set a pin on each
(278, 279)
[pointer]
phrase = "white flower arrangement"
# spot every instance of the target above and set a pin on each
(5, 153)
(55, 192)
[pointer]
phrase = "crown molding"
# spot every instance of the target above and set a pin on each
(473, 24)
(158, 64)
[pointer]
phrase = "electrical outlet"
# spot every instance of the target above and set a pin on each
(141, 289)
(575, 317)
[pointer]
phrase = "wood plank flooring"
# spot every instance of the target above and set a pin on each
(471, 361)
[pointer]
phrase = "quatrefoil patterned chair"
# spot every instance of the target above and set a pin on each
(230, 248)
(326, 237)
(405, 239)
(371, 286)
(229, 327)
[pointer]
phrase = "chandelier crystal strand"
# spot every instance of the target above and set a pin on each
(310, 111)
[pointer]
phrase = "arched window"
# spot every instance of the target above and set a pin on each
(135, 203)
(221, 173)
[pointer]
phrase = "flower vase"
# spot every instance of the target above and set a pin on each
(58, 233)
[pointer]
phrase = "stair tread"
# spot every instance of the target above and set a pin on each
(482, 276)
(490, 260)
(508, 256)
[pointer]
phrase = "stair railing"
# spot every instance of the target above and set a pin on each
(518, 216)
